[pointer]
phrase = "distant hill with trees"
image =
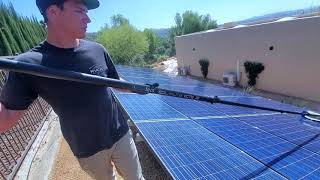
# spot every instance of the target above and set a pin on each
(279, 15)
(162, 32)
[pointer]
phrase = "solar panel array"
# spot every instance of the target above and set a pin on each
(198, 140)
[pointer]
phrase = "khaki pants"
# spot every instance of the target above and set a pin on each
(124, 156)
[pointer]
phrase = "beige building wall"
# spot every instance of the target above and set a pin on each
(291, 68)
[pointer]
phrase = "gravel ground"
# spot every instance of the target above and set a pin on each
(66, 165)
(150, 167)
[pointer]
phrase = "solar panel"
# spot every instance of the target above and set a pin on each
(204, 110)
(204, 91)
(189, 151)
(147, 108)
(260, 101)
(198, 140)
(289, 128)
(275, 152)
(192, 108)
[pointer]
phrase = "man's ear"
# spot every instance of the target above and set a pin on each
(52, 11)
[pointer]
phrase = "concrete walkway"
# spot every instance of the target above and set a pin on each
(40, 158)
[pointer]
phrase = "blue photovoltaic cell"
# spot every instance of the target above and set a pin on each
(204, 91)
(130, 73)
(189, 151)
(290, 128)
(259, 101)
(147, 107)
(236, 110)
(192, 108)
(286, 158)
(313, 175)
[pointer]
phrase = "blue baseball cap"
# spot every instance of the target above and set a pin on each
(44, 4)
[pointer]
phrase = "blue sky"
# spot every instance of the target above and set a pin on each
(160, 13)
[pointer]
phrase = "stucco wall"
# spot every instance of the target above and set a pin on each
(291, 68)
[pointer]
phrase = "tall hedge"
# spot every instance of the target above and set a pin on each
(17, 33)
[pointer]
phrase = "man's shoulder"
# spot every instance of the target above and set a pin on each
(33, 56)
(92, 44)
(29, 57)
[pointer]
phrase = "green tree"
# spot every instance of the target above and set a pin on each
(4, 45)
(12, 42)
(18, 34)
(152, 41)
(189, 22)
(118, 20)
(6, 29)
(163, 46)
(125, 44)
(26, 36)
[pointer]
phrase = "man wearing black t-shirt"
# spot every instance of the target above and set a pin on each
(91, 121)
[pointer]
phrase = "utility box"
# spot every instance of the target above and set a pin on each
(183, 71)
(229, 79)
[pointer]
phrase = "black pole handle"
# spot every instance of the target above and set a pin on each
(43, 71)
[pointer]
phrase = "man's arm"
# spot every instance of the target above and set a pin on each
(8, 118)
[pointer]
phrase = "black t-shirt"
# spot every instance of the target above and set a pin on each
(89, 116)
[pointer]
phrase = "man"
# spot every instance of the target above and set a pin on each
(91, 121)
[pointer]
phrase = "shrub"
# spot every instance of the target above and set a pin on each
(204, 63)
(253, 69)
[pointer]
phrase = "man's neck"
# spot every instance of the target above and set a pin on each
(61, 40)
